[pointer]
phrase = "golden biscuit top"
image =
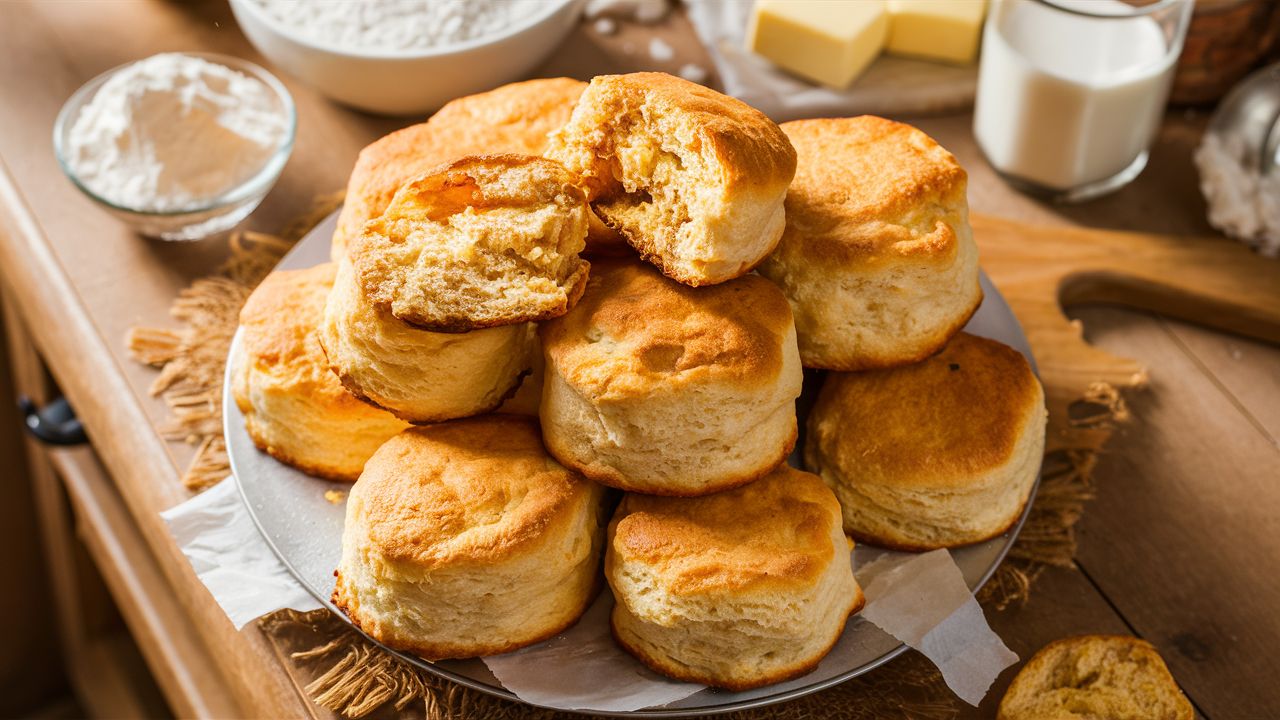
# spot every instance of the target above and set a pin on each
(514, 118)
(466, 492)
(478, 242)
(278, 331)
(936, 424)
(747, 147)
(635, 331)
(868, 189)
(774, 532)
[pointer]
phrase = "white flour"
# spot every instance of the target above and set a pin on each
(171, 131)
(400, 24)
(1242, 203)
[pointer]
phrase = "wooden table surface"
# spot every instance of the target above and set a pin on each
(1181, 547)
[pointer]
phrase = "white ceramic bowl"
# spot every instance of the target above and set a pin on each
(409, 82)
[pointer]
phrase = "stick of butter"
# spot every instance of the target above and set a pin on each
(827, 41)
(945, 30)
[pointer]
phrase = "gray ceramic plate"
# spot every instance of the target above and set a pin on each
(305, 530)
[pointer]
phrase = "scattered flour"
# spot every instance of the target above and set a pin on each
(642, 11)
(660, 50)
(399, 24)
(694, 73)
(171, 131)
(605, 26)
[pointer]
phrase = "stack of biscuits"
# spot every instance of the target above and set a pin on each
(561, 341)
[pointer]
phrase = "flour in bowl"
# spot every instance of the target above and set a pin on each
(174, 131)
(382, 25)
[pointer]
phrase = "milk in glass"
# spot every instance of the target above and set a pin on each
(1066, 100)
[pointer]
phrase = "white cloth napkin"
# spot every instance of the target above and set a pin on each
(920, 599)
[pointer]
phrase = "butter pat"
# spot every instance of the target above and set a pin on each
(827, 41)
(946, 30)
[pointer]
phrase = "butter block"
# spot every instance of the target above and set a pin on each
(947, 30)
(827, 41)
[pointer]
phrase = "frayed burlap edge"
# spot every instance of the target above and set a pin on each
(346, 674)
(351, 676)
(192, 358)
(1048, 538)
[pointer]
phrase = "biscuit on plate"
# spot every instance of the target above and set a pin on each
(937, 454)
(1095, 676)
(478, 242)
(656, 387)
(877, 258)
(295, 409)
(465, 539)
(693, 179)
(739, 589)
(419, 375)
(514, 118)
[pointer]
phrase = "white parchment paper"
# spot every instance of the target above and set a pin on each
(231, 557)
(920, 599)
(923, 601)
(584, 669)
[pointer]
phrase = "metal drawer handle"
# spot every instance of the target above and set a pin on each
(55, 423)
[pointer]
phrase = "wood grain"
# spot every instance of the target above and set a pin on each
(1184, 536)
(1040, 269)
(138, 459)
(32, 664)
(180, 662)
(1245, 370)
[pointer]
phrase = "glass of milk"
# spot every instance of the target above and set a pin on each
(1071, 92)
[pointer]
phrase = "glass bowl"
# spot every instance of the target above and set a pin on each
(209, 216)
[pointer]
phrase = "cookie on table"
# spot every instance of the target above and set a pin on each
(937, 454)
(295, 409)
(737, 590)
(877, 257)
(465, 539)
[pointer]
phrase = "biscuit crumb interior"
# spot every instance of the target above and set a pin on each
(647, 177)
(482, 242)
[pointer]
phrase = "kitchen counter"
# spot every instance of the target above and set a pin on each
(1179, 547)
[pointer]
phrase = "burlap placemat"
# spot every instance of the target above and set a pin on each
(343, 672)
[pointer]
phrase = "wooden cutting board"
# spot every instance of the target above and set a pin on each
(1209, 280)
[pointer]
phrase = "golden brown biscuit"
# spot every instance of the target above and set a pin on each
(294, 408)
(1095, 676)
(653, 386)
(465, 538)
(478, 242)
(877, 257)
(937, 454)
(514, 118)
(419, 375)
(693, 179)
(739, 589)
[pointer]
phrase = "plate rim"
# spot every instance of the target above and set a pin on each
(231, 412)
